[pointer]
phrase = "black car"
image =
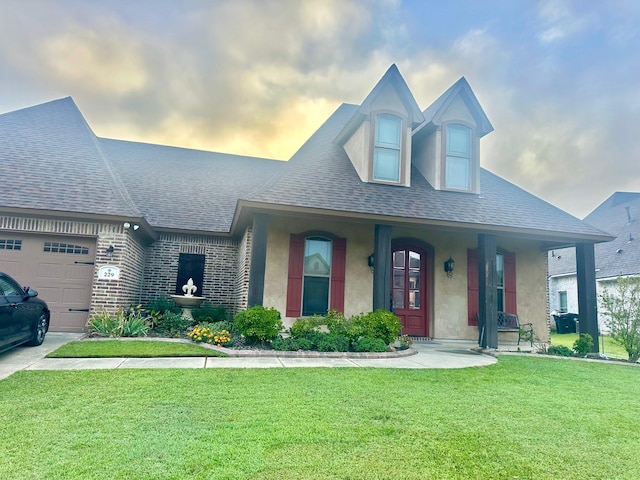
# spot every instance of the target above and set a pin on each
(23, 317)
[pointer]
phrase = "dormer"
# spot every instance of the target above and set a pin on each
(446, 146)
(377, 139)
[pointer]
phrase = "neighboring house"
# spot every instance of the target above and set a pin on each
(363, 216)
(620, 216)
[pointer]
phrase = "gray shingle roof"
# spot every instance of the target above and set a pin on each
(50, 159)
(320, 175)
(621, 256)
(178, 188)
(69, 169)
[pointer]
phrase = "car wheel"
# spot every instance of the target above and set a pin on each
(40, 331)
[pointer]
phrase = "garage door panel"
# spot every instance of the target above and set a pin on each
(61, 270)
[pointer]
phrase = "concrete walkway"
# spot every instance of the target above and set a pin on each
(436, 354)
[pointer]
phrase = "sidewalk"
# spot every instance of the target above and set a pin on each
(435, 354)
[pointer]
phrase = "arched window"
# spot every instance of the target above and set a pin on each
(386, 148)
(458, 157)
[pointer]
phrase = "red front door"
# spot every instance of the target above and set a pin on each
(408, 296)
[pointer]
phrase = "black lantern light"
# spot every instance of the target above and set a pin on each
(448, 267)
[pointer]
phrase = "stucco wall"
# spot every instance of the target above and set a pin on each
(358, 276)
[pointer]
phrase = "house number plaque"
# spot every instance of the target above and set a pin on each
(108, 272)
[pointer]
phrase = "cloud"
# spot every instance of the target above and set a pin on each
(560, 21)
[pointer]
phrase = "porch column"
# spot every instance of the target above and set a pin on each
(382, 268)
(488, 290)
(587, 297)
(258, 258)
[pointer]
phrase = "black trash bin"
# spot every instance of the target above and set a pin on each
(566, 322)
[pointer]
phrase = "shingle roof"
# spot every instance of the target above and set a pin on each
(69, 169)
(50, 159)
(178, 188)
(320, 175)
(619, 215)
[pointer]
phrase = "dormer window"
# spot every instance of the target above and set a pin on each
(458, 164)
(386, 148)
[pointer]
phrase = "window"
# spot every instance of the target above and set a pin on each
(190, 265)
(386, 149)
(10, 244)
(317, 275)
(563, 302)
(317, 265)
(458, 157)
(500, 281)
(56, 247)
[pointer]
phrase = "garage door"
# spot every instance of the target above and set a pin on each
(59, 268)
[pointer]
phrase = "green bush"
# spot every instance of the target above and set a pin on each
(583, 344)
(258, 324)
(291, 344)
(336, 323)
(171, 324)
(161, 305)
(304, 326)
(327, 342)
(210, 313)
(369, 344)
(380, 324)
(561, 350)
(125, 323)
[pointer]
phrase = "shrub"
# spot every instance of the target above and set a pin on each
(583, 344)
(161, 305)
(304, 326)
(369, 344)
(221, 338)
(210, 313)
(259, 324)
(380, 324)
(171, 324)
(291, 344)
(561, 350)
(622, 306)
(336, 323)
(125, 323)
(327, 342)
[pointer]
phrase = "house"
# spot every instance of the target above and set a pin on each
(620, 215)
(363, 216)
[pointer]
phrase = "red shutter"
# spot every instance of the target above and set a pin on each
(510, 303)
(338, 267)
(294, 282)
(473, 300)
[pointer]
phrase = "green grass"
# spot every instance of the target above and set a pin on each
(611, 348)
(132, 348)
(522, 418)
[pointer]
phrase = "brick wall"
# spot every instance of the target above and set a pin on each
(242, 272)
(220, 267)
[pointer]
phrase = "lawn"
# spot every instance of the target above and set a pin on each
(522, 418)
(132, 348)
(611, 348)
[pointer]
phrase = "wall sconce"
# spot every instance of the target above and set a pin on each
(109, 251)
(448, 267)
(136, 226)
(370, 260)
(126, 225)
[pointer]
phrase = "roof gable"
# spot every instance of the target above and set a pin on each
(461, 89)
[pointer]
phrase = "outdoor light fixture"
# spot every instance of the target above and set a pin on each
(448, 267)
(126, 225)
(370, 260)
(136, 226)
(109, 251)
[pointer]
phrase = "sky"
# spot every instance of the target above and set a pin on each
(558, 79)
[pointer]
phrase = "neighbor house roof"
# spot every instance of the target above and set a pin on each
(620, 216)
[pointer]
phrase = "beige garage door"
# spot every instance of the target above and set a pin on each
(59, 268)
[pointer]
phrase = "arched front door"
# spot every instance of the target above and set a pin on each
(409, 290)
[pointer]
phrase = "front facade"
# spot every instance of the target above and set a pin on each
(363, 216)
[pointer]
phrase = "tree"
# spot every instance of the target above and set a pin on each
(622, 306)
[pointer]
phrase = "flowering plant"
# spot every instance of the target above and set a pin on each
(220, 338)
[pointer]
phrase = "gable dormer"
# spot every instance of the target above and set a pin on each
(446, 146)
(377, 139)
